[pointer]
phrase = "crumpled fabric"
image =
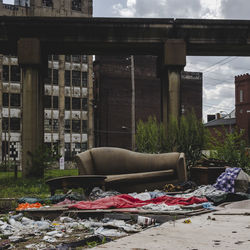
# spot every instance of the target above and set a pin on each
(127, 201)
(98, 193)
(226, 180)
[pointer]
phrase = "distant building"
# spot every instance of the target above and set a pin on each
(76, 82)
(113, 96)
(242, 103)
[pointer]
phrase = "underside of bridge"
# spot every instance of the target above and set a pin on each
(33, 38)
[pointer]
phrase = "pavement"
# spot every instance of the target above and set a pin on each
(228, 228)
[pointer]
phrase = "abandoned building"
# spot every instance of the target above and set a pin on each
(76, 72)
(113, 96)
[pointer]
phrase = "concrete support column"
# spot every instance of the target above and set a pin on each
(29, 57)
(90, 134)
(61, 100)
(33, 114)
(173, 62)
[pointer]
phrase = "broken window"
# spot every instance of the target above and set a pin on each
(76, 58)
(76, 126)
(76, 103)
(48, 3)
(76, 5)
(67, 126)
(84, 58)
(5, 100)
(84, 126)
(84, 103)
(15, 100)
(67, 78)
(84, 79)
(5, 73)
(55, 76)
(76, 78)
(47, 102)
(67, 103)
(15, 73)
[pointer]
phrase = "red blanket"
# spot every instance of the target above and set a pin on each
(127, 201)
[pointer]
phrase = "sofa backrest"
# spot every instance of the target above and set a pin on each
(111, 161)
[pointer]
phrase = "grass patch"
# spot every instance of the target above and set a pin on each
(11, 188)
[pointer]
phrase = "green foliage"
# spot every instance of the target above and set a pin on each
(231, 147)
(189, 136)
(42, 158)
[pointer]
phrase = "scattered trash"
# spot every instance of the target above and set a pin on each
(98, 193)
(187, 221)
(210, 218)
(145, 221)
(24, 206)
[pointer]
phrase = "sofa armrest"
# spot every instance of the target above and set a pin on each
(181, 168)
(85, 163)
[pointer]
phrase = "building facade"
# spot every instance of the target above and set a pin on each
(73, 91)
(114, 92)
(242, 103)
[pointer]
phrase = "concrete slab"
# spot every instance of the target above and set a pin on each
(205, 232)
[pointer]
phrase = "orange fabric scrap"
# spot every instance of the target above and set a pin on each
(24, 206)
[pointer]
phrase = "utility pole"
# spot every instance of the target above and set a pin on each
(132, 103)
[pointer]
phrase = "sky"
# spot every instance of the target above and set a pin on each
(218, 72)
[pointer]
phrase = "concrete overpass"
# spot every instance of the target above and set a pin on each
(33, 38)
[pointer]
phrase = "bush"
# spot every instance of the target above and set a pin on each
(189, 136)
(231, 147)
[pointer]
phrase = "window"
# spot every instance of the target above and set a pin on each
(48, 3)
(84, 126)
(55, 76)
(5, 124)
(76, 125)
(76, 78)
(67, 103)
(55, 124)
(67, 126)
(67, 78)
(55, 102)
(84, 104)
(15, 73)
(48, 79)
(67, 58)
(84, 146)
(76, 5)
(76, 58)
(76, 103)
(84, 79)
(15, 100)
(241, 95)
(5, 73)
(84, 58)
(55, 57)
(47, 102)
(5, 100)
(14, 124)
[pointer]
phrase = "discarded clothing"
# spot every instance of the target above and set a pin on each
(180, 187)
(127, 201)
(226, 180)
(161, 207)
(98, 193)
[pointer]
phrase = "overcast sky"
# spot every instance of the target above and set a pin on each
(218, 72)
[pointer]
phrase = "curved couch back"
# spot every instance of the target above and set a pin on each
(111, 161)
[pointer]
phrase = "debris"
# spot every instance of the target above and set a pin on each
(187, 221)
(24, 206)
(145, 221)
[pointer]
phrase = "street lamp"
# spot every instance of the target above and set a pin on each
(229, 115)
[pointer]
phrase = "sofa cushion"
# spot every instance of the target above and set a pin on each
(111, 161)
(140, 177)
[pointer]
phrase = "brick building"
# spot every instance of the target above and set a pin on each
(77, 74)
(113, 96)
(242, 103)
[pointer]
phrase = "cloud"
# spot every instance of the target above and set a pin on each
(159, 8)
(235, 9)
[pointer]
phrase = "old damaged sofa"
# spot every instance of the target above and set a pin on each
(129, 171)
